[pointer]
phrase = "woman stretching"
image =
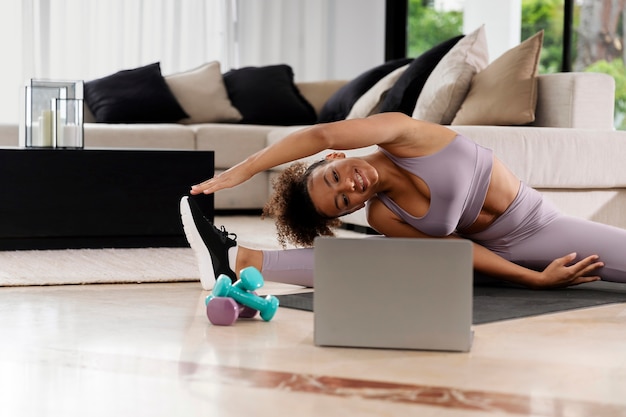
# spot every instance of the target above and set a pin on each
(424, 181)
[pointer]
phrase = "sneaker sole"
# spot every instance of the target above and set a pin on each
(203, 256)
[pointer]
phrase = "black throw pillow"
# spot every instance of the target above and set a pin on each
(268, 96)
(403, 95)
(340, 103)
(137, 95)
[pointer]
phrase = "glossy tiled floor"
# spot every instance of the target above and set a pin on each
(148, 350)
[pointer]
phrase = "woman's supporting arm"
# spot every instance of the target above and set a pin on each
(560, 273)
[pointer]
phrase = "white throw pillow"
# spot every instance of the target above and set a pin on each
(369, 103)
(202, 94)
(448, 84)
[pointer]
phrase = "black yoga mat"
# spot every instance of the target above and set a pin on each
(503, 302)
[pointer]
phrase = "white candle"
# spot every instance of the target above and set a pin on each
(58, 130)
(35, 138)
(71, 136)
(45, 128)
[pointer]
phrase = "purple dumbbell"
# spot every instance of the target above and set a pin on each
(224, 311)
(242, 292)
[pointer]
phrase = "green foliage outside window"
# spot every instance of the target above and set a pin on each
(428, 27)
(546, 15)
(616, 69)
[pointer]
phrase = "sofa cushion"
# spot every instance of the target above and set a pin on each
(403, 95)
(138, 95)
(139, 136)
(268, 96)
(339, 104)
(546, 157)
(504, 93)
(202, 94)
(232, 143)
(369, 103)
(251, 195)
(448, 84)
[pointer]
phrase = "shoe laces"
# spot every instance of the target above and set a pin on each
(226, 234)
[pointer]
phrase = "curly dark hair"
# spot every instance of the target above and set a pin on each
(297, 220)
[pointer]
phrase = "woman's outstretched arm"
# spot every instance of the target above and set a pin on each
(394, 130)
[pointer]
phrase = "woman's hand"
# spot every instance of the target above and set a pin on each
(226, 179)
(563, 273)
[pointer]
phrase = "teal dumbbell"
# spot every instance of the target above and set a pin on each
(242, 292)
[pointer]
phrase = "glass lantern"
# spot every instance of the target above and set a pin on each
(53, 114)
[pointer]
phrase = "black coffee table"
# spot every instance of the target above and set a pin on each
(61, 198)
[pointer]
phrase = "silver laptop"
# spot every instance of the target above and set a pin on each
(396, 293)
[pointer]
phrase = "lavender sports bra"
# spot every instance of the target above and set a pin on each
(458, 177)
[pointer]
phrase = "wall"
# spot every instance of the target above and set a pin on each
(357, 37)
(502, 20)
(320, 39)
(11, 78)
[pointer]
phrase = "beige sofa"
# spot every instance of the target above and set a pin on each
(571, 153)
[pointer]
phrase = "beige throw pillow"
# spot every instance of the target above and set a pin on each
(448, 84)
(202, 94)
(505, 93)
(370, 102)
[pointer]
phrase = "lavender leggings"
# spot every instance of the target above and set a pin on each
(531, 233)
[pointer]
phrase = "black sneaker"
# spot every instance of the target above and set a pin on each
(209, 243)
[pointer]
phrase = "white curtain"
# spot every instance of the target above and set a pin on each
(85, 39)
(88, 39)
(295, 32)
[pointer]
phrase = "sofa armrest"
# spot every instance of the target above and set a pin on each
(583, 100)
(318, 92)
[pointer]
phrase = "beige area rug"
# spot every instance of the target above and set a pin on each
(91, 266)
